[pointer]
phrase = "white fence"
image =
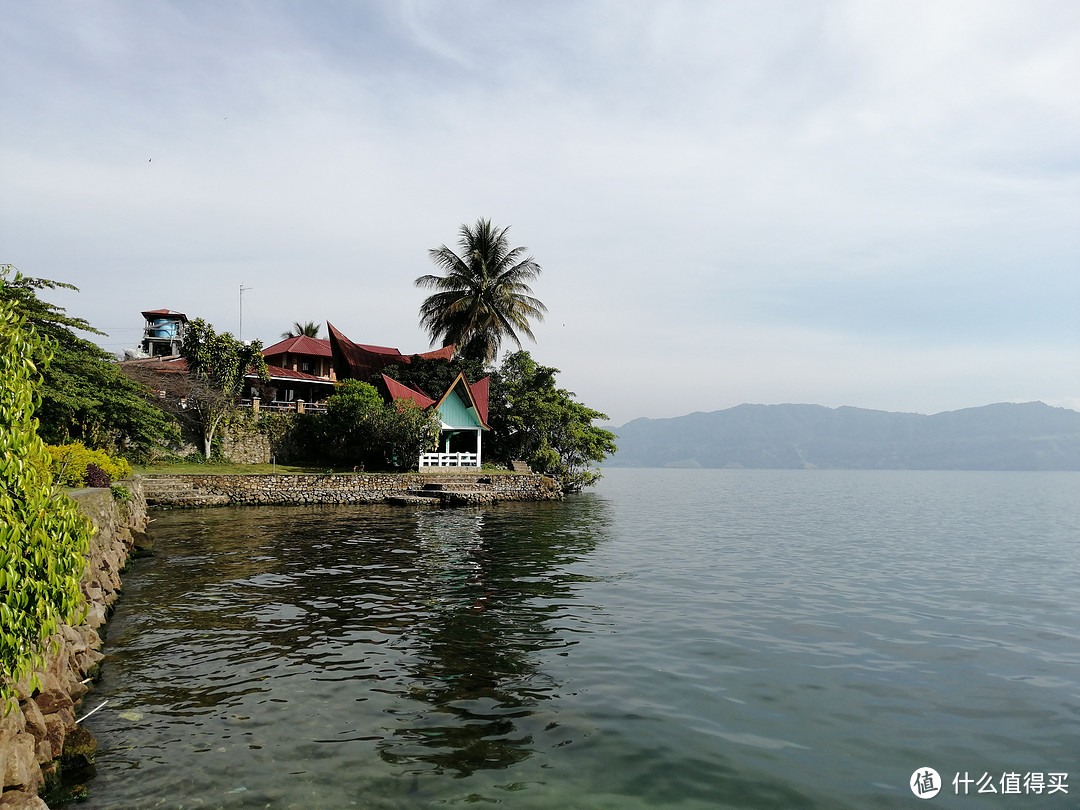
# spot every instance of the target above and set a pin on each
(449, 460)
(295, 406)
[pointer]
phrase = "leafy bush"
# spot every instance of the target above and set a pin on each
(70, 463)
(97, 477)
(43, 538)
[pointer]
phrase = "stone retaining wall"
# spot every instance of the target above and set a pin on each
(246, 448)
(41, 733)
(456, 488)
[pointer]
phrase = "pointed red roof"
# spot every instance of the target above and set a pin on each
(482, 387)
(479, 390)
(379, 349)
(401, 391)
(445, 353)
(360, 361)
(477, 394)
(301, 344)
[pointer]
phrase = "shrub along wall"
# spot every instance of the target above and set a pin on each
(40, 735)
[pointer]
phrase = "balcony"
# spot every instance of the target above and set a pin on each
(281, 406)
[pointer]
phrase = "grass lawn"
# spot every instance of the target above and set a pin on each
(228, 468)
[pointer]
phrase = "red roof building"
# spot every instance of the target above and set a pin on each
(304, 354)
(463, 411)
(358, 361)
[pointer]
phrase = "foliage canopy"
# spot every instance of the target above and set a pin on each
(309, 329)
(360, 428)
(84, 396)
(535, 421)
(217, 366)
(43, 536)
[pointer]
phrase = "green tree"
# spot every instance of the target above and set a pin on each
(309, 329)
(85, 396)
(484, 294)
(537, 422)
(433, 377)
(360, 428)
(217, 365)
(348, 431)
(43, 536)
(407, 431)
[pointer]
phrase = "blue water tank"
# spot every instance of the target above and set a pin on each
(163, 328)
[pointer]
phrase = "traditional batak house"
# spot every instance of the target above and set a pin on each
(358, 361)
(463, 411)
(462, 408)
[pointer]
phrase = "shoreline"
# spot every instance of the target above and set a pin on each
(434, 489)
(41, 737)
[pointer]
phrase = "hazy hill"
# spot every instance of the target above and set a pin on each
(1029, 436)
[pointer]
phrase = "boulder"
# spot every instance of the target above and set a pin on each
(55, 731)
(80, 748)
(19, 800)
(21, 769)
(35, 720)
(53, 699)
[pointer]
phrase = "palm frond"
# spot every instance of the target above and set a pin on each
(483, 295)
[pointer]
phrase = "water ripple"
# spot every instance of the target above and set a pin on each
(676, 639)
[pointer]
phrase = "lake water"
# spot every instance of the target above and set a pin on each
(670, 639)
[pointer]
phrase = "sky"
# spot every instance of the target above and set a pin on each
(836, 202)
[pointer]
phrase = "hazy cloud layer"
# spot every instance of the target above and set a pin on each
(863, 203)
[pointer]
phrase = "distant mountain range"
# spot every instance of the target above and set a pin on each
(1007, 436)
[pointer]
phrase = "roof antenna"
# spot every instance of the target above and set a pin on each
(240, 334)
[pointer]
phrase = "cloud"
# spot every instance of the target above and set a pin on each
(752, 196)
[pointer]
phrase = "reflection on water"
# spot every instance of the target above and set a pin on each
(259, 636)
(469, 662)
(677, 639)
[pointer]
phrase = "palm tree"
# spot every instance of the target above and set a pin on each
(483, 296)
(309, 329)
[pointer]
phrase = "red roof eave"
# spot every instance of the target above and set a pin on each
(400, 391)
(302, 344)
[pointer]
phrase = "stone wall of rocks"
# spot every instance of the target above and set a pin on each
(246, 448)
(441, 488)
(40, 736)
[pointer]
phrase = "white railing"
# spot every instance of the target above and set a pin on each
(295, 406)
(449, 460)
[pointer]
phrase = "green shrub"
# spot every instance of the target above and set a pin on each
(43, 536)
(70, 462)
(121, 493)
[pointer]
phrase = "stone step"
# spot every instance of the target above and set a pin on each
(171, 492)
(414, 500)
(481, 482)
